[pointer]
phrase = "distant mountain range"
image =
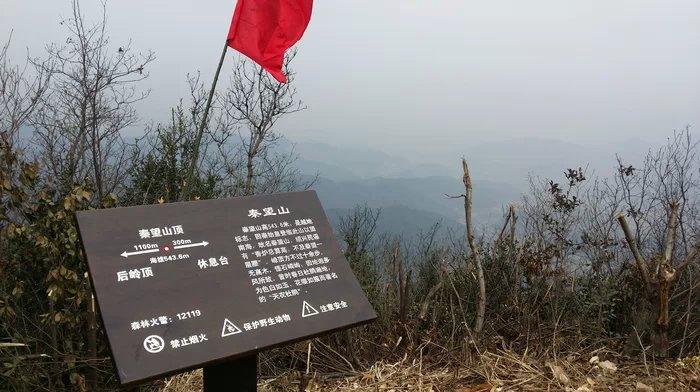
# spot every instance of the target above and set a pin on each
(343, 163)
(410, 188)
(411, 193)
(411, 205)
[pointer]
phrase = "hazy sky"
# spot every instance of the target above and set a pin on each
(419, 75)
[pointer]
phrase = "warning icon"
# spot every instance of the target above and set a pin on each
(229, 328)
(308, 310)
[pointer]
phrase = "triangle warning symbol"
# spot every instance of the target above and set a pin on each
(308, 310)
(229, 328)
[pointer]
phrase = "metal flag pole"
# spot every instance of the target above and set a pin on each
(187, 186)
(240, 374)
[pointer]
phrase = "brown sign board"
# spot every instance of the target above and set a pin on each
(183, 285)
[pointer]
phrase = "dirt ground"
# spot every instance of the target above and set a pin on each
(501, 371)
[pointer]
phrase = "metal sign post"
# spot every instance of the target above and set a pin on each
(240, 375)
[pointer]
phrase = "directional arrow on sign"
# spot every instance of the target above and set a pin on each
(140, 252)
(203, 243)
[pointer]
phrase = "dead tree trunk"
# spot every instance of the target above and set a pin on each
(476, 254)
(404, 284)
(658, 276)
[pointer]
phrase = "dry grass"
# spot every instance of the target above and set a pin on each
(492, 371)
(185, 382)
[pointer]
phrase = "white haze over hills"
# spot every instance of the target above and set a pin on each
(410, 190)
(509, 161)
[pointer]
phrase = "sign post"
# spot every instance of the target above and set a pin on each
(212, 283)
(243, 373)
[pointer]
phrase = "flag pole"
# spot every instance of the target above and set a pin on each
(187, 188)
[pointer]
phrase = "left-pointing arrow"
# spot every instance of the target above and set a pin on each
(140, 252)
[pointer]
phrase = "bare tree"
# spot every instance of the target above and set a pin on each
(659, 275)
(161, 163)
(257, 101)
(89, 102)
(598, 228)
(476, 252)
(357, 230)
(660, 198)
(19, 94)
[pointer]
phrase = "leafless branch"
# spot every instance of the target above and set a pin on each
(641, 262)
(671, 227)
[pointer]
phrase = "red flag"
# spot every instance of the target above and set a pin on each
(263, 30)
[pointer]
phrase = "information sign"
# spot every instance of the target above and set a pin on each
(181, 285)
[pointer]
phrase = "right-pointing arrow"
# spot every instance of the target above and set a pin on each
(203, 243)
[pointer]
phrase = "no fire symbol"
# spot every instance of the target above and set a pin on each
(153, 344)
